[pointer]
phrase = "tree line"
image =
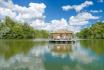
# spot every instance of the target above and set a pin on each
(10, 29)
(96, 31)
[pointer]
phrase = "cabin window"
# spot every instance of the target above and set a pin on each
(58, 37)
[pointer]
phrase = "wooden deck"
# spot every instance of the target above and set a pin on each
(55, 41)
(61, 41)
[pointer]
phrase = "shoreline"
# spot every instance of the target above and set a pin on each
(42, 39)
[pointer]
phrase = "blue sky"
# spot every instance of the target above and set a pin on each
(54, 14)
(54, 10)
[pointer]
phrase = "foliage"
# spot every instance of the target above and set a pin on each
(10, 29)
(96, 31)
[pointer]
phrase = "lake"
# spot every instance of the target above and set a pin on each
(31, 55)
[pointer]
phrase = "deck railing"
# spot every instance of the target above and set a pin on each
(51, 39)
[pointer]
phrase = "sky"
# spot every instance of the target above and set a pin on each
(51, 15)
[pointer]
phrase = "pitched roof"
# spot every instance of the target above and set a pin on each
(62, 31)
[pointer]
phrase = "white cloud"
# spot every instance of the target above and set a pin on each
(82, 18)
(32, 13)
(67, 7)
(6, 12)
(60, 24)
(56, 24)
(38, 24)
(5, 9)
(78, 8)
(96, 11)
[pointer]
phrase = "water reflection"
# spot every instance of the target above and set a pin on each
(71, 57)
(82, 55)
(60, 50)
(9, 48)
(18, 55)
(95, 45)
(30, 55)
(74, 52)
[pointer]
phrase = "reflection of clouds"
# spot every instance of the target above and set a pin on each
(38, 51)
(20, 58)
(77, 53)
(23, 62)
(81, 55)
(12, 60)
(31, 61)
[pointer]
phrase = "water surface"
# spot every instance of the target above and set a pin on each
(31, 55)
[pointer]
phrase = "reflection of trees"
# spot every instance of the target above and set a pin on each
(9, 48)
(95, 45)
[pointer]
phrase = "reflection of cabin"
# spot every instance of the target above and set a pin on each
(61, 35)
(60, 49)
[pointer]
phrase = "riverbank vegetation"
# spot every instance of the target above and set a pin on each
(96, 31)
(10, 29)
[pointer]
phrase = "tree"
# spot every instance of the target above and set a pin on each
(10, 29)
(96, 31)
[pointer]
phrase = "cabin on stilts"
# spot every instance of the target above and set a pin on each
(61, 35)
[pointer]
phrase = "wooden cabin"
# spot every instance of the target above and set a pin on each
(61, 35)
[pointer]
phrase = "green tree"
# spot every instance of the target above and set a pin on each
(10, 29)
(96, 31)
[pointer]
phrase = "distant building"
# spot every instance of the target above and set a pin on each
(61, 34)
